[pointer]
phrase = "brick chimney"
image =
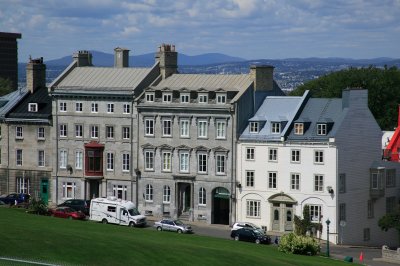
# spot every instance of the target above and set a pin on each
(121, 57)
(168, 59)
(83, 58)
(35, 74)
(263, 76)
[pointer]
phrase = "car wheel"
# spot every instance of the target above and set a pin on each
(179, 231)
(159, 228)
(257, 241)
(236, 238)
(131, 224)
(104, 221)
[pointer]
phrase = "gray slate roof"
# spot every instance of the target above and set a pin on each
(7, 102)
(209, 82)
(94, 78)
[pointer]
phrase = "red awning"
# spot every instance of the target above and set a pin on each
(94, 144)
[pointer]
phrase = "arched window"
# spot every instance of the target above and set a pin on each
(166, 194)
(149, 193)
(202, 196)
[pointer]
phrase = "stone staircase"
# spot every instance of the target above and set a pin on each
(184, 216)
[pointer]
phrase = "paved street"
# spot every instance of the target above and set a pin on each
(336, 251)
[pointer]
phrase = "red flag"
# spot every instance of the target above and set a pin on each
(361, 256)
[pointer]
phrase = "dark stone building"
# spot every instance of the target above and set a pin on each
(9, 57)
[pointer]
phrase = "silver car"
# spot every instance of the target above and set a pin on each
(172, 225)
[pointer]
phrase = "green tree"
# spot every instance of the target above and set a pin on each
(5, 86)
(383, 85)
(389, 221)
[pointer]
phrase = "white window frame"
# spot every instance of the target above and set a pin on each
(315, 212)
(19, 157)
(295, 156)
(221, 98)
(150, 96)
(41, 133)
(250, 153)
(202, 129)
(78, 131)
(94, 131)
(62, 107)
(166, 127)
(220, 164)
(202, 196)
(126, 163)
(295, 181)
(23, 185)
(126, 133)
(166, 161)
(272, 180)
(275, 127)
(41, 158)
(167, 97)
(298, 128)
(78, 107)
(63, 131)
(148, 195)
(63, 159)
(250, 178)
(254, 127)
(33, 107)
(322, 129)
(110, 132)
(120, 190)
(110, 161)
(126, 108)
(253, 208)
(184, 162)
(221, 129)
(149, 127)
(110, 108)
(19, 132)
(202, 98)
(94, 107)
(184, 97)
(69, 190)
(318, 183)
(318, 156)
(184, 128)
(79, 160)
(202, 161)
(273, 154)
(149, 160)
(166, 194)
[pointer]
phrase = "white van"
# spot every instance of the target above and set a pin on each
(115, 211)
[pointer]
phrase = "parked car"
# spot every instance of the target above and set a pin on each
(15, 198)
(250, 235)
(77, 204)
(67, 212)
(239, 225)
(173, 225)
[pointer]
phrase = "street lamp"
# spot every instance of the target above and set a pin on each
(327, 237)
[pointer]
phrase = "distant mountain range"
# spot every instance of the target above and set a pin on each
(289, 73)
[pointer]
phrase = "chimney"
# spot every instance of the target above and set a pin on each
(35, 74)
(168, 59)
(263, 76)
(121, 57)
(83, 58)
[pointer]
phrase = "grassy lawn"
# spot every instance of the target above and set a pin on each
(61, 241)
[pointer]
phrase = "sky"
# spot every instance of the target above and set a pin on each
(251, 29)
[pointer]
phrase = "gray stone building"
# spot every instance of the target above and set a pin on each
(95, 125)
(26, 145)
(188, 125)
(9, 57)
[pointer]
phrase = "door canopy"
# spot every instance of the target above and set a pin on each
(282, 198)
(221, 193)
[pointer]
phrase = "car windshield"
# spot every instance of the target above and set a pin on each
(133, 212)
(258, 233)
(177, 222)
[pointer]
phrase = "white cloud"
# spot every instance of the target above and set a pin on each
(130, 31)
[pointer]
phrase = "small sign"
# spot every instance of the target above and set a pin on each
(342, 223)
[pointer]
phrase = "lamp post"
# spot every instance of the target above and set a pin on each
(327, 237)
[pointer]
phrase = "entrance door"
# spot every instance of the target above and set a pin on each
(44, 190)
(94, 189)
(187, 199)
(184, 199)
(276, 217)
(289, 217)
(220, 206)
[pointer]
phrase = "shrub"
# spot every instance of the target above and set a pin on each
(38, 207)
(297, 244)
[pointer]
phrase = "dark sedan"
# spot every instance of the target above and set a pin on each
(250, 235)
(77, 204)
(15, 198)
(67, 212)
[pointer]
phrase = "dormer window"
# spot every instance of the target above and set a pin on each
(298, 128)
(32, 107)
(167, 97)
(321, 129)
(275, 127)
(254, 127)
(203, 98)
(185, 97)
(221, 98)
(150, 97)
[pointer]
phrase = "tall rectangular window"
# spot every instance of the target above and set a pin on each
(253, 208)
(295, 158)
(342, 212)
(250, 153)
(273, 154)
(203, 98)
(149, 127)
(202, 129)
(221, 128)
(150, 97)
(23, 185)
(41, 159)
(272, 180)
(41, 133)
(366, 234)
(166, 194)
(166, 163)
(220, 161)
(184, 128)
(94, 161)
(370, 209)
(110, 108)
(221, 98)
(167, 97)
(249, 178)
(391, 205)
(95, 108)
(390, 177)
(63, 106)
(78, 107)
(149, 160)
(202, 163)
(166, 127)
(295, 182)
(19, 133)
(126, 132)
(125, 162)
(63, 130)
(120, 192)
(78, 131)
(315, 213)
(319, 157)
(127, 108)
(63, 159)
(18, 155)
(110, 161)
(185, 97)
(68, 190)
(78, 160)
(321, 129)
(254, 127)
(202, 196)
(318, 183)
(342, 183)
(109, 132)
(94, 132)
(184, 162)
(275, 127)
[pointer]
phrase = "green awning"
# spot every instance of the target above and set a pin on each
(221, 193)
